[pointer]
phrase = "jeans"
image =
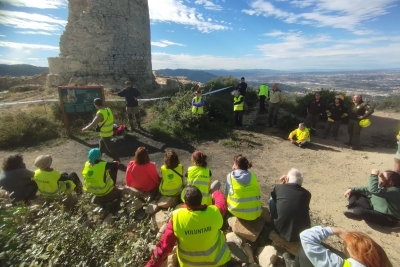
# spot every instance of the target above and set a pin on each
(238, 118)
(336, 126)
(262, 103)
(273, 110)
(312, 120)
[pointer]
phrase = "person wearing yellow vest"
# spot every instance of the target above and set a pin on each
(99, 178)
(360, 250)
(171, 175)
(104, 121)
(196, 230)
(51, 183)
(200, 176)
(262, 95)
(198, 103)
(396, 167)
(243, 191)
(300, 136)
(238, 104)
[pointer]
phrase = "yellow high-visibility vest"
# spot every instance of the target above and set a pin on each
(49, 185)
(238, 107)
(94, 181)
(108, 122)
(199, 177)
(171, 183)
(244, 201)
(198, 110)
(263, 90)
(200, 240)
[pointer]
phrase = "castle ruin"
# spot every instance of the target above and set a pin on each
(105, 42)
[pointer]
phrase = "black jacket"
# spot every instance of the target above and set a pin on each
(337, 111)
(316, 107)
(360, 110)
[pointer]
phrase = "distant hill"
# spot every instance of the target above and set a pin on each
(247, 72)
(192, 75)
(21, 70)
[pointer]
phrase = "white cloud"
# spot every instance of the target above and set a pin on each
(274, 33)
(34, 32)
(208, 5)
(24, 46)
(165, 43)
(43, 4)
(31, 21)
(175, 11)
(1, 35)
(342, 14)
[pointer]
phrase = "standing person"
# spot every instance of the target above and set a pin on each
(171, 175)
(238, 105)
(104, 124)
(100, 178)
(263, 94)
(17, 180)
(243, 191)
(300, 136)
(290, 206)
(359, 111)
(315, 108)
(275, 100)
(242, 88)
(195, 228)
(336, 112)
(198, 103)
(131, 95)
(397, 155)
(51, 183)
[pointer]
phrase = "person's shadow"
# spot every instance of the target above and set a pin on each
(383, 229)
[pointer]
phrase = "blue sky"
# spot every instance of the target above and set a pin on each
(229, 34)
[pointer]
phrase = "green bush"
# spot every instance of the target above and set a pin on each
(55, 236)
(288, 123)
(252, 99)
(391, 103)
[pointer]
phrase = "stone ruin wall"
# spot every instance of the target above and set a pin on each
(105, 42)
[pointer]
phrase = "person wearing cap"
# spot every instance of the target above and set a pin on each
(195, 228)
(198, 103)
(243, 190)
(263, 94)
(316, 106)
(336, 112)
(238, 106)
(100, 178)
(359, 111)
(300, 136)
(51, 183)
(131, 95)
(104, 121)
(275, 100)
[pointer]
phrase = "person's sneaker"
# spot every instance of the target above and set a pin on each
(351, 215)
(216, 185)
(288, 260)
(348, 143)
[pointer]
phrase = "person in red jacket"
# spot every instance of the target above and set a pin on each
(169, 239)
(141, 173)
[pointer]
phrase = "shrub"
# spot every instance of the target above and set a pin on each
(388, 103)
(288, 123)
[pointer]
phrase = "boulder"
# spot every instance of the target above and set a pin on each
(135, 205)
(152, 207)
(237, 253)
(248, 230)
(249, 252)
(233, 238)
(167, 202)
(232, 221)
(267, 256)
(291, 247)
(160, 218)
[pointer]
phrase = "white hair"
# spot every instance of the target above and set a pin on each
(295, 176)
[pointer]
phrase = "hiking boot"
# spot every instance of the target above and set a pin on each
(351, 215)
(288, 260)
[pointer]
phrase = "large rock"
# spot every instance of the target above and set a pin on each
(167, 202)
(233, 238)
(249, 252)
(237, 253)
(291, 247)
(248, 229)
(152, 208)
(135, 205)
(231, 221)
(267, 256)
(160, 218)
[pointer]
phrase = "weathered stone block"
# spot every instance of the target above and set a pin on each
(233, 238)
(291, 247)
(160, 218)
(248, 229)
(267, 256)
(167, 202)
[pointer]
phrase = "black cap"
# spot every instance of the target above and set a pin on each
(98, 102)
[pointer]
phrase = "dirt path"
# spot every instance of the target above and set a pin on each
(329, 167)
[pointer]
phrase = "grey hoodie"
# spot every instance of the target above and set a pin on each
(241, 176)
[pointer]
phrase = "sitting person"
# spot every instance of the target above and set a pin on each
(195, 228)
(360, 250)
(300, 136)
(290, 206)
(17, 180)
(52, 183)
(171, 175)
(243, 191)
(200, 176)
(100, 178)
(396, 167)
(141, 174)
(379, 202)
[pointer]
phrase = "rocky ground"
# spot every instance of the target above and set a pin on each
(329, 167)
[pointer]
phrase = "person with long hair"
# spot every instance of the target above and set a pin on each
(171, 175)
(360, 250)
(141, 173)
(16, 179)
(379, 202)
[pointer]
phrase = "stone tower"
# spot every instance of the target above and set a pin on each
(105, 42)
